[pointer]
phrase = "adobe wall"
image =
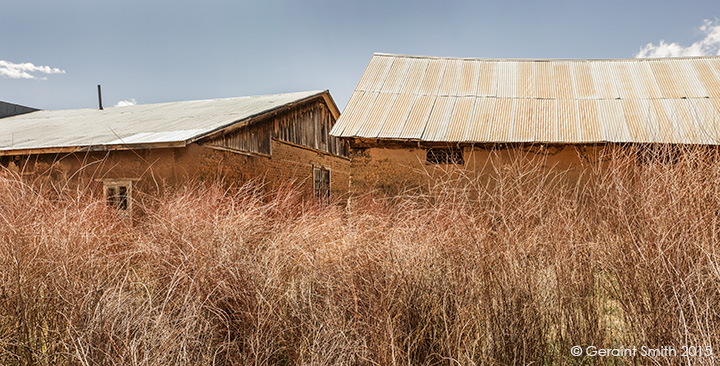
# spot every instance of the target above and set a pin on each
(289, 163)
(395, 169)
(297, 162)
(158, 168)
(154, 170)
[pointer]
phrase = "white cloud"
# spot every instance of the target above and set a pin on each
(708, 46)
(125, 103)
(26, 70)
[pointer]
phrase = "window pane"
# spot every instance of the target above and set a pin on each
(111, 196)
(122, 199)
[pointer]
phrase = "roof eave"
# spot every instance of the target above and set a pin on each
(92, 148)
(360, 140)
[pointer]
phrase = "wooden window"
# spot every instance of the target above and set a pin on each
(444, 156)
(321, 182)
(119, 194)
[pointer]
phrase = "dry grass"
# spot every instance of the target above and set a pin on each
(514, 272)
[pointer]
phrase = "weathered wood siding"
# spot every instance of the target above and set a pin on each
(254, 138)
(307, 125)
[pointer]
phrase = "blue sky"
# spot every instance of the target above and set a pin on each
(53, 54)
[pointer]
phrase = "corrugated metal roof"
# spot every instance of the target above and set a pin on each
(164, 123)
(671, 100)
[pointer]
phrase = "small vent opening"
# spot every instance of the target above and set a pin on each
(444, 156)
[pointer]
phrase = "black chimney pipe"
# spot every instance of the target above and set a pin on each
(100, 97)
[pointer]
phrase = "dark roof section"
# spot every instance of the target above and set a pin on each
(9, 109)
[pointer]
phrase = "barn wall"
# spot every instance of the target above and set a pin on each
(297, 163)
(393, 170)
(154, 170)
(159, 166)
(289, 163)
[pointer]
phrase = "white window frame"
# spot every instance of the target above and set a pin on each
(111, 192)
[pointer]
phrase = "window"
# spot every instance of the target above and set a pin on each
(119, 194)
(321, 182)
(444, 156)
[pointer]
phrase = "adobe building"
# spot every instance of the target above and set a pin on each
(413, 116)
(143, 148)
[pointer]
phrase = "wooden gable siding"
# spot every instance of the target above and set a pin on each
(307, 125)
(254, 139)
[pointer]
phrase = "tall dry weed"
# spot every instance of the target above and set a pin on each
(515, 270)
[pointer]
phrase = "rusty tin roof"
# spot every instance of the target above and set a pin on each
(443, 99)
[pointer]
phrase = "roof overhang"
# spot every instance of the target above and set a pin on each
(91, 148)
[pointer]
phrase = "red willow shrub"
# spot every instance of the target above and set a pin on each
(513, 271)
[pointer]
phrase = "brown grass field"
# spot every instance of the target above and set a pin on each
(512, 271)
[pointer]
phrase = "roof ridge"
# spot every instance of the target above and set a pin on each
(307, 94)
(544, 59)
